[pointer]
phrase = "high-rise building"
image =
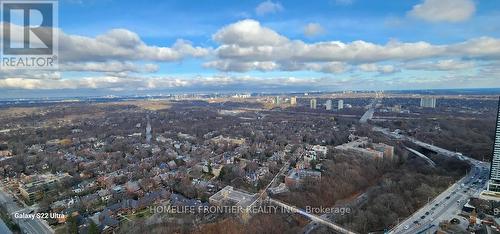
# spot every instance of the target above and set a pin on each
(277, 100)
(313, 103)
(428, 102)
(396, 108)
(148, 132)
(494, 182)
(328, 104)
(340, 105)
(293, 101)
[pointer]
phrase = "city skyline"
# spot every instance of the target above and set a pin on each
(259, 116)
(265, 46)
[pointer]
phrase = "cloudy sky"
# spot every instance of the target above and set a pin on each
(127, 47)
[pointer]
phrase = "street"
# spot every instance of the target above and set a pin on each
(29, 226)
(449, 203)
(446, 206)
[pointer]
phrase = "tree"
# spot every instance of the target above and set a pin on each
(313, 163)
(93, 229)
(72, 225)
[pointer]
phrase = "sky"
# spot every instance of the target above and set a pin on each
(152, 47)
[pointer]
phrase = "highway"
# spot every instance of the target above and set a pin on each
(434, 148)
(448, 204)
(3, 228)
(28, 226)
(369, 113)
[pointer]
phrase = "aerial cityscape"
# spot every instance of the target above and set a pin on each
(335, 116)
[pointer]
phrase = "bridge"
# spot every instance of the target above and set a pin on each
(420, 143)
(436, 149)
(428, 160)
(313, 217)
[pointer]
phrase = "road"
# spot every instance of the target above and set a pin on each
(434, 148)
(446, 206)
(369, 113)
(428, 160)
(449, 203)
(3, 228)
(28, 226)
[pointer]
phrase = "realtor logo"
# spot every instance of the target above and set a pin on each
(29, 34)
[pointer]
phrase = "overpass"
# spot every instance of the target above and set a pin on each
(420, 143)
(313, 217)
(436, 149)
(428, 160)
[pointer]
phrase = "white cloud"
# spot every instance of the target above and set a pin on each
(29, 74)
(110, 66)
(386, 69)
(268, 7)
(265, 66)
(228, 65)
(248, 33)
(441, 65)
(368, 67)
(313, 29)
(383, 69)
(25, 83)
(116, 51)
(244, 82)
(490, 70)
(482, 47)
(155, 83)
(328, 67)
(247, 45)
(122, 45)
(186, 49)
(249, 41)
(444, 10)
(97, 82)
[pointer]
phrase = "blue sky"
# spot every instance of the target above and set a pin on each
(131, 46)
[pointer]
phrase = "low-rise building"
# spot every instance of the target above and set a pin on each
(387, 150)
(216, 169)
(132, 187)
(221, 139)
(320, 150)
(33, 188)
(364, 146)
(5, 153)
(296, 176)
(231, 196)
(105, 194)
(281, 188)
